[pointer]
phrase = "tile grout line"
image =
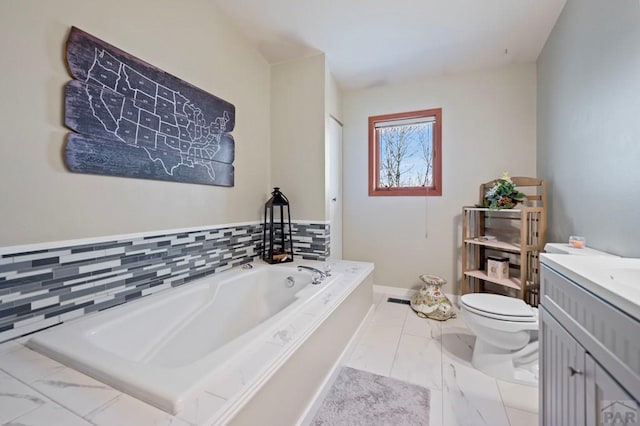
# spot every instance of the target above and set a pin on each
(26, 412)
(100, 408)
(69, 409)
(47, 398)
(395, 354)
(504, 407)
(442, 399)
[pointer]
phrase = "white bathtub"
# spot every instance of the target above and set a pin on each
(164, 348)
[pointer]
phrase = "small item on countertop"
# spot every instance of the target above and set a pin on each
(577, 241)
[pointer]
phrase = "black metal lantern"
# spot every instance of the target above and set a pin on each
(277, 244)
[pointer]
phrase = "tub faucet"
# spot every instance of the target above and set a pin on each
(316, 274)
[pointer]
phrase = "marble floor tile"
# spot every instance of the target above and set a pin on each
(456, 322)
(174, 421)
(201, 410)
(470, 398)
(519, 396)
(50, 414)
(521, 418)
(17, 399)
(423, 327)
(75, 391)
(9, 346)
(418, 360)
(457, 344)
(460, 394)
(126, 410)
(376, 346)
(376, 349)
(390, 314)
(28, 365)
(435, 408)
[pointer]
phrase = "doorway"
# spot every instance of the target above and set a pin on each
(335, 188)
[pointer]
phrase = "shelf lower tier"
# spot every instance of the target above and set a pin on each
(511, 282)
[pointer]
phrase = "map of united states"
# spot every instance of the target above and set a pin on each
(143, 113)
(131, 119)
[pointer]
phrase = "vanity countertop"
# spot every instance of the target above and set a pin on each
(614, 279)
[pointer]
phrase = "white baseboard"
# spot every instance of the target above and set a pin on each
(310, 411)
(407, 293)
(394, 291)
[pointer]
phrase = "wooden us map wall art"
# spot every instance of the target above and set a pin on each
(132, 119)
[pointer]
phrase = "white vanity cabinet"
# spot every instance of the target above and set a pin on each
(589, 353)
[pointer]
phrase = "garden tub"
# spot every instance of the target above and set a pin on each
(165, 348)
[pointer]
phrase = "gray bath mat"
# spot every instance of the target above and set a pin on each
(361, 398)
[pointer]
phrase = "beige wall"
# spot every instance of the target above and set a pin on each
(40, 200)
(489, 121)
(588, 124)
(297, 134)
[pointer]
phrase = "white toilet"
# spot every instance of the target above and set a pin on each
(506, 329)
(506, 332)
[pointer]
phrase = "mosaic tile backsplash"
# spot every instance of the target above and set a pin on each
(41, 288)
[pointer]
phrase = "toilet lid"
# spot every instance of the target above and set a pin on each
(498, 306)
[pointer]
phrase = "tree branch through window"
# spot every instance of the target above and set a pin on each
(404, 153)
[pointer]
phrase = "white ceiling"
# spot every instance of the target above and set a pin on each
(376, 42)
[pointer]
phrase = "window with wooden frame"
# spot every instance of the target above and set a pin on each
(405, 153)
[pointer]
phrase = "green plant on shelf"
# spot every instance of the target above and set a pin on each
(503, 194)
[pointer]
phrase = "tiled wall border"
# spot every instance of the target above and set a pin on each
(44, 284)
(310, 240)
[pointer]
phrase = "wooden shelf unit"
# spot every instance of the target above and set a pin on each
(520, 236)
(511, 282)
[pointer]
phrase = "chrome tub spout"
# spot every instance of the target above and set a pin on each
(317, 276)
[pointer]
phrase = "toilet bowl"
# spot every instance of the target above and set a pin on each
(506, 332)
